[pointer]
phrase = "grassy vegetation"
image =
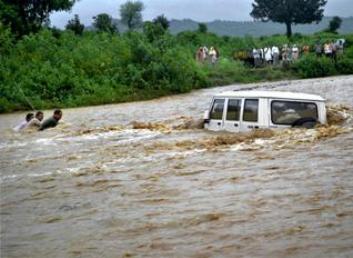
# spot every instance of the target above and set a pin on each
(60, 69)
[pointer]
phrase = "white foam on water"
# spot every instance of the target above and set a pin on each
(35, 175)
(13, 144)
(154, 157)
(125, 136)
(45, 141)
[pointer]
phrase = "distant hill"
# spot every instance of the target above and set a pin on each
(235, 28)
(252, 28)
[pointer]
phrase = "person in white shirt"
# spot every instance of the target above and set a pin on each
(295, 52)
(23, 124)
(275, 54)
(213, 55)
(328, 49)
(268, 55)
(340, 46)
(205, 53)
(35, 123)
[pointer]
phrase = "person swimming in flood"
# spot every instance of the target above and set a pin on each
(23, 124)
(52, 121)
(35, 123)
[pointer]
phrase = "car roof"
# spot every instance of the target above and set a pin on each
(270, 94)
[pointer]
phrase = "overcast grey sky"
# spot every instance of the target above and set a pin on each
(199, 10)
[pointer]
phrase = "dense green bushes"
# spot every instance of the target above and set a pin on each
(311, 66)
(60, 69)
(97, 68)
(345, 65)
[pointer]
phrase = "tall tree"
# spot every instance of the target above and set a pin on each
(131, 14)
(75, 25)
(153, 31)
(26, 16)
(202, 28)
(288, 12)
(335, 24)
(104, 22)
(162, 20)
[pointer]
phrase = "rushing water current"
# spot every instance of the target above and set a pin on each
(141, 180)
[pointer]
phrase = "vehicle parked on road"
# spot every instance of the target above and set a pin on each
(239, 111)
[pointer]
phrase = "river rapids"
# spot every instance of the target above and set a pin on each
(143, 179)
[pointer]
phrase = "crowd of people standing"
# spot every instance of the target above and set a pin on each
(330, 49)
(275, 55)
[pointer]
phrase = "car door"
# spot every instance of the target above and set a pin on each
(250, 115)
(216, 115)
(232, 116)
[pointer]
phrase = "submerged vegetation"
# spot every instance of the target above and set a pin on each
(54, 68)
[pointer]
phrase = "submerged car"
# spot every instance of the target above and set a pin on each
(239, 111)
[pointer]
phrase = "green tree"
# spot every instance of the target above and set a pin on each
(6, 40)
(288, 11)
(131, 14)
(335, 24)
(202, 28)
(104, 22)
(162, 20)
(26, 16)
(153, 31)
(75, 25)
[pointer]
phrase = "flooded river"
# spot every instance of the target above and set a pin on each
(141, 180)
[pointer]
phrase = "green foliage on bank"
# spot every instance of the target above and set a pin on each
(60, 69)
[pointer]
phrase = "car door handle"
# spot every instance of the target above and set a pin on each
(219, 123)
(250, 126)
(236, 125)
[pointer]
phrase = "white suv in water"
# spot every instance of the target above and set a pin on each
(239, 111)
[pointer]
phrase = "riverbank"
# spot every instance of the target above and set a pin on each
(57, 69)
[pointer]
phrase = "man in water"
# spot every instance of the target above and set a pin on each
(23, 124)
(52, 121)
(36, 121)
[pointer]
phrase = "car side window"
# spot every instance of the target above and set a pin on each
(233, 111)
(287, 112)
(217, 109)
(251, 110)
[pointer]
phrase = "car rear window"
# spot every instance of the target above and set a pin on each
(287, 112)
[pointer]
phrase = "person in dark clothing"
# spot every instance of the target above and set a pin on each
(52, 121)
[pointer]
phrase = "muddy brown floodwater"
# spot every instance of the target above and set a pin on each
(141, 180)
